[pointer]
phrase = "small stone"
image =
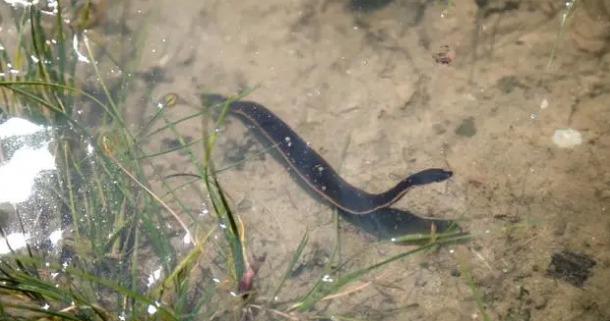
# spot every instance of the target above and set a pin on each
(567, 138)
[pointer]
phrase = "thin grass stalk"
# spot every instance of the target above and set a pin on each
(295, 258)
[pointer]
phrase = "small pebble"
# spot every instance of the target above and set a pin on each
(567, 138)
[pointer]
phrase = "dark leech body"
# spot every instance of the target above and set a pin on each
(370, 212)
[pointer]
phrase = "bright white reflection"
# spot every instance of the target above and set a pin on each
(152, 309)
(22, 3)
(18, 127)
(56, 236)
(14, 241)
(154, 277)
(187, 239)
(18, 174)
(80, 56)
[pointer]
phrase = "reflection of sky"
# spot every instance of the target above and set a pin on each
(24, 3)
(16, 241)
(18, 174)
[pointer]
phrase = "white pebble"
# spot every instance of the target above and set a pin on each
(567, 138)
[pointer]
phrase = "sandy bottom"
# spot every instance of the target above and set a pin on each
(370, 89)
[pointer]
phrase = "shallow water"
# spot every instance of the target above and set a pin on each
(372, 91)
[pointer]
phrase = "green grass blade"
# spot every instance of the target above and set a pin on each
(295, 258)
(314, 293)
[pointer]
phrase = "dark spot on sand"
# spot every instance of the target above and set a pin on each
(467, 128)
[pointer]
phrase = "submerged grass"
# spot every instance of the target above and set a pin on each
(115, 221)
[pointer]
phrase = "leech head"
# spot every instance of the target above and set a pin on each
(427, 176)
